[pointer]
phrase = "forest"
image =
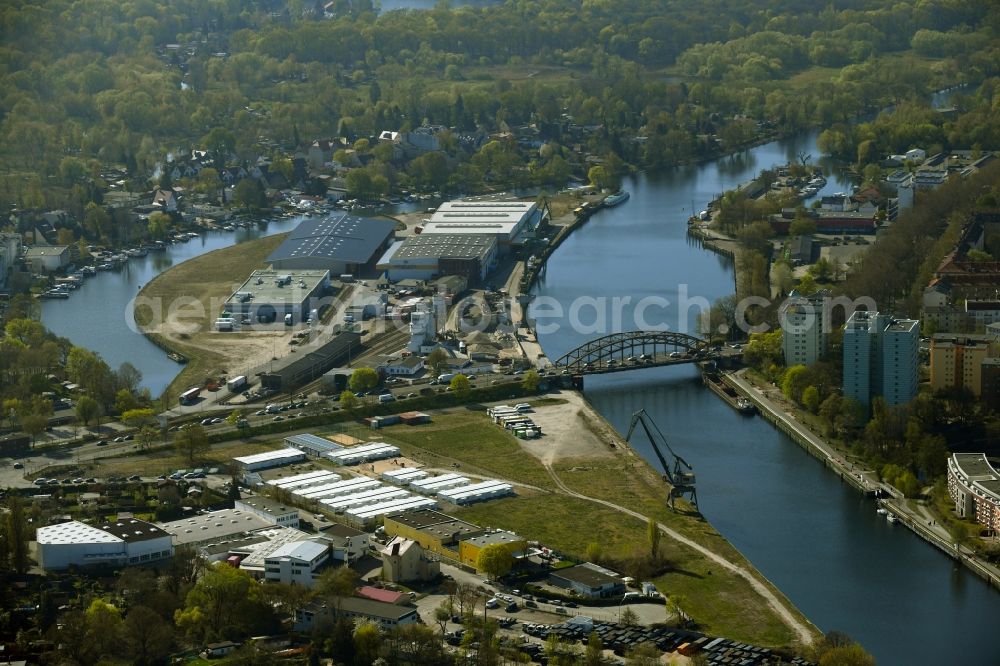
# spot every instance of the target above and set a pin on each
(90, 84)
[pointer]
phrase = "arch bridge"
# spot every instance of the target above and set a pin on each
(626, 351)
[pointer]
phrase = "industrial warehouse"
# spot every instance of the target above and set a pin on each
(269, 295)
(426, 256)
(507, 221)
(339, 243)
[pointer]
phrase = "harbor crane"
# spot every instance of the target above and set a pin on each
(680, 476)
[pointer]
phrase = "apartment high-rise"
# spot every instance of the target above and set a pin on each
(880, 358)
(803, 329)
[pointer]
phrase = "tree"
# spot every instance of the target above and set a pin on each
(495, 560)
(86, 409)
(158, 225)
(349, 401)
(437, 361)
(810, 399)
(847, 655)
(16, 534)
(225, 602)
(192, 442)
(104, 623)
(792, 383)
(653, 535)
(531, 381)
(336, 582)
(363, 379)
(249, 193)
(128, 377)
(34, 424)
(443, 613)
(367, 640)
(594, 552)
(135, 418)
(147, 435)
(644, 654)
(594, 656)
(460, 386)
(628, 617)
(802, 225)
(148, 637)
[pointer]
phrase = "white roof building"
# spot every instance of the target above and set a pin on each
(270, 459)
(296, 562)
(123, 542)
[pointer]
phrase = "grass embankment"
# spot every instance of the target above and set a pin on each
(470, 439)
(210, 276)
(721, 602)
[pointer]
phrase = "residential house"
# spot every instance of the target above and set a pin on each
(48, 258)
(321, 152)
(403, 560)
(166, 201)
(385, 616)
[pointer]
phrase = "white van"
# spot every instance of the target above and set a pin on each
(446, 378)
(386, 397)
(272, 409)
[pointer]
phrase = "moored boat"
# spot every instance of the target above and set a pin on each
(619, 197)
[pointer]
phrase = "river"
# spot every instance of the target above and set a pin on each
(818, 540)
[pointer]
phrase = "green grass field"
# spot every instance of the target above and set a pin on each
(470, 439)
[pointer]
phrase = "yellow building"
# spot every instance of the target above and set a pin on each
(434, 531)
(470, 547)
(957, 361)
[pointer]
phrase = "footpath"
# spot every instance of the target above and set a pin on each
(907, 512)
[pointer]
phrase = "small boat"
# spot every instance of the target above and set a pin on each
(619, 197)
(177, 358)
(881, 511)
(745, 406)
(891, 518)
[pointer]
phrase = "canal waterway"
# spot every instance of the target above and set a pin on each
(818, 540)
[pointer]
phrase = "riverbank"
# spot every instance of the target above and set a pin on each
(907, 512)
(593, 488)
(175, 310)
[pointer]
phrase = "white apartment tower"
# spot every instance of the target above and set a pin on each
(804, 332)
(880, 358)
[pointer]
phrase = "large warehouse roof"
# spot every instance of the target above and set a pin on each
(279, 286)
(337, 237)
(445, 245)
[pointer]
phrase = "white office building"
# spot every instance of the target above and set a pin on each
(296, 562)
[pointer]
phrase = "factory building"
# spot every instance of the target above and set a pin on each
(297, 369)
(124, 542)
(507, 221)
(426, 256)
(268, 296)
(339, 243)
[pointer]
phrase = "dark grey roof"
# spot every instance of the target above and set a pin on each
(338, 237)
(131, 530)
(586, 576)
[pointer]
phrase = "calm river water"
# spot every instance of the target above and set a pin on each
(820, 542)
